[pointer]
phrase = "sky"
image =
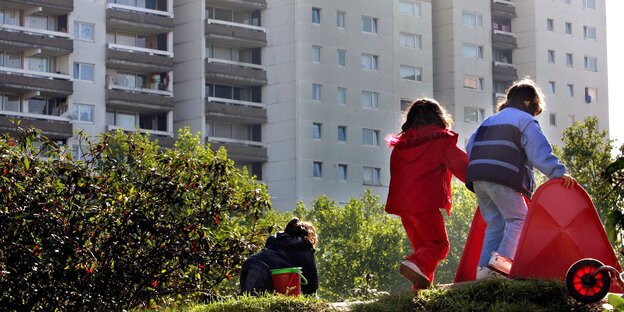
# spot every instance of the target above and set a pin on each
(615, 64)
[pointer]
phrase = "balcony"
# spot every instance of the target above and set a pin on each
(165, 138)
(235, 73)
(126, 98)
(503, 40)
(236, 111)
(138, 59)
(503, 9)
(55, 7)
(54, 127)
(235, 34)
(240, 150)
(249, 5)
(20, 81)
(504, 71)
(21, 39)
(137, 19)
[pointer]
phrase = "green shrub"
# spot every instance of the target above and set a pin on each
(126, 225)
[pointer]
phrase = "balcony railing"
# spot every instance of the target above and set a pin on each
(236, 102)
(139, 9)
(34, 116)
(506, 2)
(33, 73)
(232, 24)
(505, 33)
(140, 90)
(235, 141)
(235, 63)
(155, 132)
(497, 63)
(121, 47)
(35, 31)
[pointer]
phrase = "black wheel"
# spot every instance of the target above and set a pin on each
(585, 286)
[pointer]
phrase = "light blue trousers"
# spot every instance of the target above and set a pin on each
(504, 211)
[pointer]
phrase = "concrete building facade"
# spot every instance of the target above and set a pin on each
(301, 93)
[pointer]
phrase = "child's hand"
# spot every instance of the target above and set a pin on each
(568, 181)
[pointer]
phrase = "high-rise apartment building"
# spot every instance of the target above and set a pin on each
(301, 93)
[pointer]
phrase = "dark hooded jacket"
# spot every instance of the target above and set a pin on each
(280, 251)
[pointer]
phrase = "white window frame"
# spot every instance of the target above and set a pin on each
(590, 63)
(375, 174)
(78, 74)
(341, 96)
(77, 109)
(341, 130)
(341, 19)
(551, 57)
(552, 87)
(570, 59)
(468, 52)
(343, 172)
(408, 40)
(415, 8)
(317, 169)
(316, 19)
(316, 53)
(588, 95)
(589, 4)
(476, 112)
(372, 134)
(317, 130)
(317, 92)
(550, 24)
(78, 31)
(570, 90)
(589, 32)
(412, 73)
(341, 56)
(373, 98)
(370, 62)
(568, 28)
(476, 16)
(374, 27)
(478, 81)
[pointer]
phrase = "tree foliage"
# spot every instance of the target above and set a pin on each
(124, 226)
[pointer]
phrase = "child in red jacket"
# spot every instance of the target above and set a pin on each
(424, 158)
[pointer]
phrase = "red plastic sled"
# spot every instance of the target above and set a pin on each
(561, 227)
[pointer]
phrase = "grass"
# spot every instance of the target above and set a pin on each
(489, 295)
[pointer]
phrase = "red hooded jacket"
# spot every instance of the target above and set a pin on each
(421, 165)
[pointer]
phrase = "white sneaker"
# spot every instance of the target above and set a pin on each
(500, 264)
(413, 273)
(484, 272)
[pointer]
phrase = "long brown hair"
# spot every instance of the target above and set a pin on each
(426, 111)
(525, 95)
(296, 227)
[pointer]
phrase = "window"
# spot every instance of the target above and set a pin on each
(369, 24)
(591, 95)
(342, 172)
(342, 133)
(591, 63)
(411, 73)
(405, 104)
(410, 40)
(551, 56)
(370, 62)
(589, 32)
(316, 54)
(473, 51)
(317, 169)
(550, 24)
(568, 28)
(371, 176)
(12, 60)
(472, 19)
(342, 96)
(10, 103)
(40, 64)
(132, 80)
(567, 1)
(551, 87)
(39, 22)
(82, 112)
(473, 114)
(316, 16)
(370, 99)
(84, 31)
(342, 57)
(553, 119)
(473, 83)
(9, 17)
(316, 130)
(409, 8)
(571, 119)
(84, 71)
(569, 59)
(340, 19)
(316, 92)
(370, 137)
(589, 4)
(570, 91)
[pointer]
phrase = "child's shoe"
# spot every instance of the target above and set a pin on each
(411, 271)
(500, 264)
(484, 272)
